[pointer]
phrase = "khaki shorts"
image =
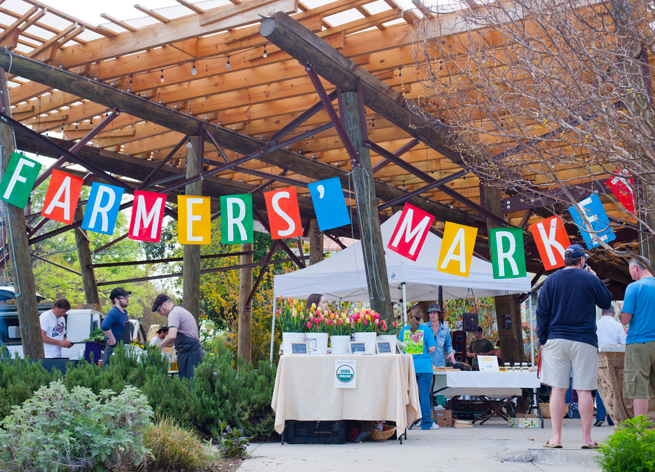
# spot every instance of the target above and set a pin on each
(561, 356)
(639, 374)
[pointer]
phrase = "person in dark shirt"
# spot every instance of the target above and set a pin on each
(566, 326)
(116, 324)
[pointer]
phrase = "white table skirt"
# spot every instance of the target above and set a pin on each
(493, 384)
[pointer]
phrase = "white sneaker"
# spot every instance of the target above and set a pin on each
(434, 426)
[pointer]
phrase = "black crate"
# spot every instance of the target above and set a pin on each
(315, 432)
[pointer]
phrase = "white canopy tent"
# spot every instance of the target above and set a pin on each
(343, 276)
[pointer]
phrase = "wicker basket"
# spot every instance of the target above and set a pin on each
(382, 435)
(545, 409)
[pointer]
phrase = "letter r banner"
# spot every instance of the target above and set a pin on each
(507, 254)
(552, 240)
(147, 216)
(236, 219)
(410, 232)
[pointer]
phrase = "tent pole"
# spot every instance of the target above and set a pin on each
(273, 328)
(404, 303)
(531, 329)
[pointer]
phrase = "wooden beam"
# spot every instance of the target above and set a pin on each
(118, 22)
(191, 6)
(152, 13)
(16, 24)
(239, 9)
(315, 243)
(244, 346)
(191, 265)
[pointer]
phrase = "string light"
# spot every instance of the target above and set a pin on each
(373, 123)
(400, 72)
(131, 80)
(194, 71)
(162, 75)
(265, 55)
(228, 66)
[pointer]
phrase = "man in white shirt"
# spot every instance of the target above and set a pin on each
(53, 329)
(161, 334)
(609, 332)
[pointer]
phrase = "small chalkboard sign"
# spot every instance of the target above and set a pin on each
(357, 348)
(384, 347)
(299, 348)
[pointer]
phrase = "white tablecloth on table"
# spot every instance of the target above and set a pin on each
(493, 384)
(386, 390)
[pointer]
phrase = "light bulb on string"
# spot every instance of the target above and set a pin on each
(131, 80)
(228, 66)
(265, 55)
(188, 144)
(162, 75)
(194, 71)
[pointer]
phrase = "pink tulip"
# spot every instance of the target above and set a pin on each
(340, 321)
(309, 325)
(377, 322)
(365, 322)
(278, 311)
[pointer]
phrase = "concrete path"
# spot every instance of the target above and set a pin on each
(445, 450)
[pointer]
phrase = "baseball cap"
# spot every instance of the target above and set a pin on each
(480, 330)
(575, 251)
(161, 298)
(118, 292)
(434, 307)
(163, 328)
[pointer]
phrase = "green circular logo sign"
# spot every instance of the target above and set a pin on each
(345, 373)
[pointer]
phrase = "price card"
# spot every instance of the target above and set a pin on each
(488, 364)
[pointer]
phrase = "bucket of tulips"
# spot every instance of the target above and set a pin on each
(339, 327)
(291, 317)
(365, 323)
(316, 329)
(388, 332)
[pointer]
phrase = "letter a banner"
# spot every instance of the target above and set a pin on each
(552, 240)
(194, 219)
(18, 180)
(283, 213)
(410, 232)
(147, 216)
(507, 254)
(62, 196)
(102, 208)
(236, 219)
(457, 249)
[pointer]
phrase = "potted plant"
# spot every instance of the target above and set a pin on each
(365, 324)
(93, 345)
(316, 331)
(339, 327)
(291, 318)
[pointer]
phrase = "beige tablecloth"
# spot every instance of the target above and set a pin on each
(386, 390)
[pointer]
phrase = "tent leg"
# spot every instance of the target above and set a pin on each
(273, 328)
(531, 329)
(404, 303)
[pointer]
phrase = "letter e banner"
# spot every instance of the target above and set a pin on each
(236, 219)
(18, 180)
(283, 213)
(147, 216)
(102, 208)
(62, 196)
(552, 240)
(410, 232)
(507, 254)
(457, 249)
(194, 219)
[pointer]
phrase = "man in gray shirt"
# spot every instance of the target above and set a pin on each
(182, 333)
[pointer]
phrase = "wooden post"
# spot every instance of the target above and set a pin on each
(369, 220)
(84, 256)
(21, 261)
(315, 243)
(191, 264)
(244, 348)
(511, 340)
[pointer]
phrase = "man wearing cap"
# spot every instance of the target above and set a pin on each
(480, 346)
(116, 324)
(162, 332)
(182, 333)
(566, 326)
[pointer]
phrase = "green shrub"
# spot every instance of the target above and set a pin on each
(78, 430)
(631, 448)
(175, 448)
(18, 380)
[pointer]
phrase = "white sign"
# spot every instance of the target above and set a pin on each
(488, 364)
(345, 373)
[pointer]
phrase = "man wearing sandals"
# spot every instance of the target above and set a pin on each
(566, 325)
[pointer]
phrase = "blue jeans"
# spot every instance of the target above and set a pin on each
(424, 383)
(601, 412)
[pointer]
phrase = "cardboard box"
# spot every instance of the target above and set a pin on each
(445, 414)
(461, 424)
(524, 421)
(445, 423)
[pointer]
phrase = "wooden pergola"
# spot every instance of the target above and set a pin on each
(265, 91)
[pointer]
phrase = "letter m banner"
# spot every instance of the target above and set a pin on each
(410, 232)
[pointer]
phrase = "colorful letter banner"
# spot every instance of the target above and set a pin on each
(102, 208)
(622, 188)
(18, 180)
(410, 232)
(329, 204)
(62, 196)
(236, 219)
(548, 235)
(597, 216)
(283, 213)
(457, 249)
(194, 219)
(507, 253)
(147, 216)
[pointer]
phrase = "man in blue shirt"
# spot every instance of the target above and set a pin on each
(116, 324)
(566, 326)
(638, 306)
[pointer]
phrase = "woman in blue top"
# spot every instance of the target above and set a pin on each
(444, 345)
(419, 342)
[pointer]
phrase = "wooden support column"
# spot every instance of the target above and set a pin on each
(84, 256)
(367, 211)
(21, 261)
(191, 264)
(315, 243)
(244, 348)
(511, 340)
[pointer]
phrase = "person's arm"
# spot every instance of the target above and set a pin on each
(543, 313)
(48, 340)
(428, 336)
(625, 318)
(468, 351)
(629, 304)
(621, 334)
(603, 295)
(169, 339)
(106, 328)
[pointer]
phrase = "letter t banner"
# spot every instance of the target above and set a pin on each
(147, 216)
(507, 254)
(552, 240)
(410, 232)
(457, 249)
(194, 219)
(236, 219)
(62, 196)
(18, 180)
(283, 213)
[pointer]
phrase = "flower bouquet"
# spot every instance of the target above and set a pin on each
(290, 316)
(365, 321)
(338, 324)
(317, 331)
(391, 329)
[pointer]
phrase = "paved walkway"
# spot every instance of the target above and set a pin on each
(445, 450)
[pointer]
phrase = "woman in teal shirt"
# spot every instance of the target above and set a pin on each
(419, 342)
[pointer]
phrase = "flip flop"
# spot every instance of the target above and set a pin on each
(551, 445)
(591, 445)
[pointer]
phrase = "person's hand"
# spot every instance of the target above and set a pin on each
(65, 343)
(111, 342)
(590, 270)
